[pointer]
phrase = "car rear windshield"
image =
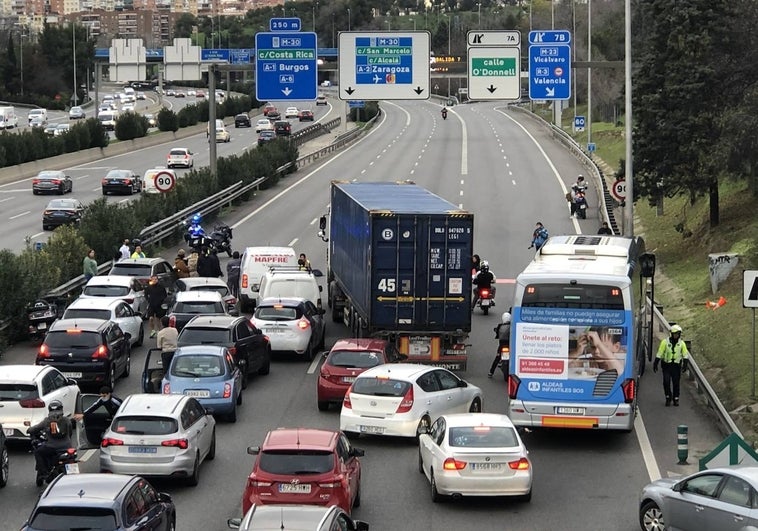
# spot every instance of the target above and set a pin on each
(198, 307)
(72, 339)
(131, 270)
(296, 462)
(360, 359)
(278, 313)
(11, 392)
(380, 387)
(295, 288)
(197, 366)
(204, 336)
(66, 518)
(86, 313)
(483, 437)
(106, 291)
(221, 290)
(177, 152)
(137, 425)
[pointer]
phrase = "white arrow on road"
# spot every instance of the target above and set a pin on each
(287, 91)
(549, 92)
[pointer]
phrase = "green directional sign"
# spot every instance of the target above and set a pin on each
(731, 451)
(494, 66)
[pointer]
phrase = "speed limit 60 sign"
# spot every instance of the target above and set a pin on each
(164, 181)
(618, 190)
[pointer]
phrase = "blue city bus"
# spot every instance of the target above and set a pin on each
(576, 349)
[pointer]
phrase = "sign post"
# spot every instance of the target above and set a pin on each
(549, 65)
(750, 300)
(579, 123)
(494, 65)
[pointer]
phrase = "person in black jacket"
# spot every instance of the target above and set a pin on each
(156, 295)
(205, 264)
(215, 265)
(57, 431)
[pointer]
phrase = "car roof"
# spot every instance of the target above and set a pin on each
(110, 280)
(151, 405)
(20, 373)
(198, 295)
(284, 301)
(302, 438)
(477, 419)
(748, 473)
(364, 343)
(98, 303)
(193, 350)
(85, 489)
(87, 325)
(192, 282)
(403, 371)
(291, 516)
(212, 321)
(118, 172)
(63, 203)
(142, 261)
(50, 174)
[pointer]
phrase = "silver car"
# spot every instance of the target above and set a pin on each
(121, 287)
(159, 435)
(116, 310)
(720, 498)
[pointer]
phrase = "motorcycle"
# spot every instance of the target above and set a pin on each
(505, 360)
(444, 114)
(486, 300)
(66, 462)
(222, 238)
(581, 206)
(40, 314)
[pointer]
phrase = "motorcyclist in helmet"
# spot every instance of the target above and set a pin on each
(503, 335)
(57, 430)
(444, 113)
(484, 279)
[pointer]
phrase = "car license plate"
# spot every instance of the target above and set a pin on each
(41, 326)
(371, 429)
(72, 468)
(569, 410)
(485, 302)
(8, 432)
(299, 488)
(486, 466)
(505, 356)
(275, 330)
(143, 450)
(198, 393)
(348, 379)
(72, 374)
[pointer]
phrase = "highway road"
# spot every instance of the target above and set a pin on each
(510, 172)
(21, 211)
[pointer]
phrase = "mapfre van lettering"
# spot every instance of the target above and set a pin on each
(281, 258)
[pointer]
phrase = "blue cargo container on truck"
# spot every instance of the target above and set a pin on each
(400, 268)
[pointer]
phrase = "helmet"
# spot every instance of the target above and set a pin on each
(485, 266)
(56, 406)
(676, 329)
(196, 219)
(506, 318)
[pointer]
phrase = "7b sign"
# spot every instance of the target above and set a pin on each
(618, 190)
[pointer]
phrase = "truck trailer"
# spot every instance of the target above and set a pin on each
(399, 268)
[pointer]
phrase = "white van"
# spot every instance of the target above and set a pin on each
(108, 119)
(255, 262)
(291, 282)
(148, 181)
(8, 118)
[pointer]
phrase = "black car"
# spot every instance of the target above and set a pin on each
(4, 461)
(61, 212)
(247, 343)
(121, 182)
(115, 502)
(144, 268)
(93, 352)
(52, 181)
(273, 115)
(242, 120)
(282, 128)
(266, 136)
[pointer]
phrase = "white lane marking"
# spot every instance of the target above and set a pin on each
(13, 192)
(96, 189)
(513, 182)
(87, 455)
(461, 192)
(36, 235)
(21, 214)
(314, 364)
(313, 222)
(292, 243)
(82, 176)
(462, 182)
(124, 200)
(464, 144)
(7, 199)
(647, 450)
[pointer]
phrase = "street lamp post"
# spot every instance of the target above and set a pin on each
(479, 4)
(73, 42)
(21, 47)
(389, 25)
(448, 50)
(414, 23)
(348, 19)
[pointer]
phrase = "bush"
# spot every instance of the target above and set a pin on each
(82, 132)
(97, 134)
(131, 125)
(189, 115)
(167, 120)
(71, 142)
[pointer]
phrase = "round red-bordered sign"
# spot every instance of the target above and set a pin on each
(618, 190)
(164, 181)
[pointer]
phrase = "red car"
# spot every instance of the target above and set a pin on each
(347, 359)
(269, 108)
(304, 466)
(305, 115)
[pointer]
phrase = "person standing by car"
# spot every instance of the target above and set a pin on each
(155, 294)
(125, 251)
(89, 265)
(233, 273)
(673, 357)
(138, 252)
(192, 261)
(107, 399)
(215, 264)
(204, 264)
(180, 265)
(168, 337)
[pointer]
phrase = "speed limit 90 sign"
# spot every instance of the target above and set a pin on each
(618, 190)
(165, 181)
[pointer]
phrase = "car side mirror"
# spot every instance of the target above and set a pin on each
(317, 273)
(322, 223)
(209, 411)
(127, 335)
(253, 450)
(462, 383)
(357, 452)
(234, 523)
(71, 381)
(423, 429)
(164, 497)
(360, 525)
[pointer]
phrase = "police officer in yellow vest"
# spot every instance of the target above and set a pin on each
(673, 357)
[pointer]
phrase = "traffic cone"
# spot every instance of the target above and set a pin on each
(720, 302)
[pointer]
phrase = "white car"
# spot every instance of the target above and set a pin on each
(25, 393)
(475, 454)
(180, 157)
(403, 399)
(291, 112)
(292, 324)
(222, 135)
(121, 287)
(129, 106)
(159, 435)
(118, 311)
(263, 125)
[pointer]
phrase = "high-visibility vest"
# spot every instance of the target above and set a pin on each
(668, 354)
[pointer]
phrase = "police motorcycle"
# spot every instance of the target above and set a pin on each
(221, 238)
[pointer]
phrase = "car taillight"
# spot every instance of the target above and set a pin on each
(346, 401)
(172, 321)
(128, 181)
(255, 483)
(31, 402)
(167, 388)
(514, 382)
(303, 323)
(227, 390)
(44, 351)
(484, 293)
(35, 181)
(629, 388)
(453, 464)
(521, 464)
(244, 281)
(407, 403)
(109, 441)
(101, 353)
(182, 444)
(104, 181)
(56, 181)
